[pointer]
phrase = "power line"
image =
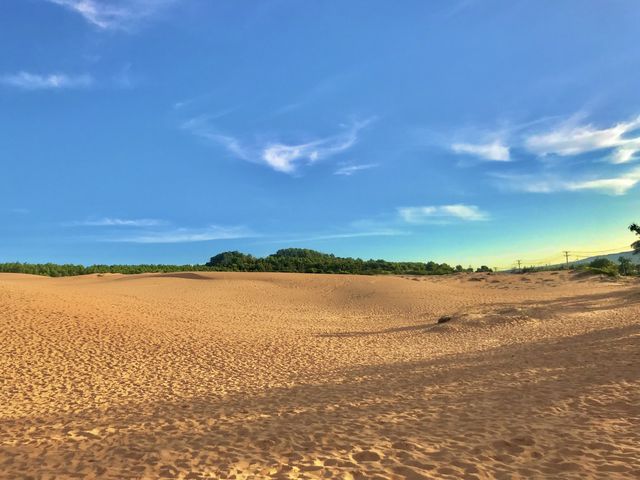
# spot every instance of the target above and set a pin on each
(565, 255)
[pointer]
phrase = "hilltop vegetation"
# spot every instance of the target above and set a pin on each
(298, 260)
(302, 260)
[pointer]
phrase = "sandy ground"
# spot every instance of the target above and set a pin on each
(309, 376)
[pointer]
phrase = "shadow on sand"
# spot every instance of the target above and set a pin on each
(539, 409)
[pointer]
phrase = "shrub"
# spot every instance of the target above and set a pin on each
(604, 266)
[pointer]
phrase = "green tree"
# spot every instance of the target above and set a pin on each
(232, 260)
(635, 228)
(626, 266)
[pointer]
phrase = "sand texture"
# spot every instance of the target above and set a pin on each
(232, 375)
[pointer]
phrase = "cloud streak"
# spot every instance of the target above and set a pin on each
(118, 222)
(619, 184)
(348, 170)
(565, 139)
(187, 235)
(570, 140)
(427, 214)
(381, 232)
(279, 156)
(495, 151)
(113, 14)
(52, 81)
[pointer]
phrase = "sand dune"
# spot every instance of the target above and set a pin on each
(232, 375)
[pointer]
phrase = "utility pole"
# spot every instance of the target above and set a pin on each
(566, 256)
(519, 263)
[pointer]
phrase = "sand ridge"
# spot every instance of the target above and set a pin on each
(240, 375)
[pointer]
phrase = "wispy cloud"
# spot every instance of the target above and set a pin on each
(427, 214)
(52, 81)
(196, 100)
(200, 127)
(382, 232)
(494, 151)
(286, 158)
(152, 230)
(348, 170)
(279, 156)
(399, 223)
(549, 183)
(569, 139)
(614, 186)
(187, 235)
(118, 222)
(113, 14)
(555, 138)
(566, 138)
(18, 211)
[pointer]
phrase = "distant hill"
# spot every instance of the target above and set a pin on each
(612, 256)
(635, 259)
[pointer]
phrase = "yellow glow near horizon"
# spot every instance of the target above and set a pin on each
(578, 247)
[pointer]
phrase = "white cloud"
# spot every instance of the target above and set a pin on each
(282, 158)
(53, 81)
(568, 139)
(348, 170)
(187, 235)
(119, 222)
(495, 151)
(113, 14)
(418, 215)
(286, 158)
(279, 156)
(611, 185)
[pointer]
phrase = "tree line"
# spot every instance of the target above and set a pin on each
(67, 270)
(295, 260)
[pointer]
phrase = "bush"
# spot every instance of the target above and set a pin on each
(483, 269)
(602, 263)
(604, 266)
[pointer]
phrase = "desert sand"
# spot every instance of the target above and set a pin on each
(238, 375)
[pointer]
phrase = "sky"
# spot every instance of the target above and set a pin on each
(167, 131)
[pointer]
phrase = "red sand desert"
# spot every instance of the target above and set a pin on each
(232, 375)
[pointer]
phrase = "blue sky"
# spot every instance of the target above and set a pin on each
(461, 131)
